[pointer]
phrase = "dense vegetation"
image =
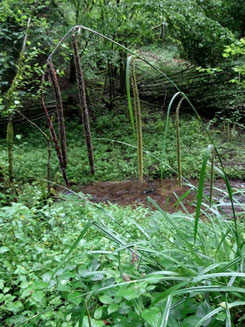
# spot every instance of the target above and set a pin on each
(117, 90)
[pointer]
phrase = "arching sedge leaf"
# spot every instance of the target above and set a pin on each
(217, 310)
(228, 314)
(166, 312)
(206, 156)
(128, 93)
(166, 129)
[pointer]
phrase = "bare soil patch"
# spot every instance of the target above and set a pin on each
(165, 194)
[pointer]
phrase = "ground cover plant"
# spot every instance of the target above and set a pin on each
(74, 263)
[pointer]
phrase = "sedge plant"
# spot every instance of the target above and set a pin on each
(178, 143)
(137, 125)
(226, 179)
(211, 178)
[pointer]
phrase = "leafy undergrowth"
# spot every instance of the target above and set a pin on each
(74, 263)
(115, 153)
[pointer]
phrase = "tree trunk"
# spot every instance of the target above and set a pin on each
(54, 137)
(49, 166)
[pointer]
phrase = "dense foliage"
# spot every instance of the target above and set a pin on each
(77, 264)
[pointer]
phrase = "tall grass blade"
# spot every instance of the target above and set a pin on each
(208, 316)
(181, 198)
(177, 232)
(221, 242)
(137, 111)
(201, 187)
(232, 263)
(169, 292)
(230, 193)
(109, 234)
(228, 185)
(228, 314)
(217, 310)
(217, 275)
(166, 129)
(181, 203)
(211, 178)
(178, 143)
(166, 312)
(128, 93)
(213, 288)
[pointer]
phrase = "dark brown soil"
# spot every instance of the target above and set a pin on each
(165, 193)
(136, 193)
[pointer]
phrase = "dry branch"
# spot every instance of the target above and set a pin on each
(83, 103)
(55, 139)
(59, 110)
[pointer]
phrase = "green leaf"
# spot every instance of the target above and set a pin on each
(39, 285)
(38, 296)
(221, 316)
(98, 313)
(190, 321)
(3, 249)
(106, 299)
(14, 306)
(94, 323)
(206, 155)
(129, 293)
(152, 316)
(113, 307)
(64, 288)
(75, 297)
(1, 284)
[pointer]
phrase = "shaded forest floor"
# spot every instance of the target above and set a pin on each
(115, 149)
(114, 145)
